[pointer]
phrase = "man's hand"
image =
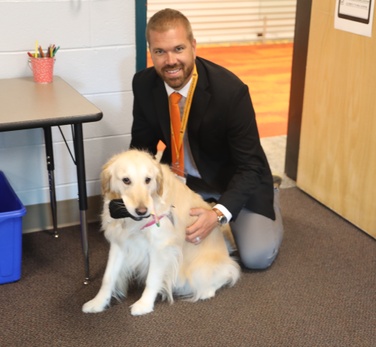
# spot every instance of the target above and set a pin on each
(205, 223)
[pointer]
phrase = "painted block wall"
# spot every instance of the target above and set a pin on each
(97, 57)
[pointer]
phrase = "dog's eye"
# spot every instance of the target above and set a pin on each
(126, 181)
(147, 180)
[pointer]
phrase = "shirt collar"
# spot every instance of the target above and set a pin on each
(184, 91)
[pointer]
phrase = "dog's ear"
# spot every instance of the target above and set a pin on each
(159, 180)
(106, 178)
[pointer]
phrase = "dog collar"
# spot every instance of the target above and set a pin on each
(156, 220)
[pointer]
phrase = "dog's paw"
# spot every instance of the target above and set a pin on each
(208, 294)
(94, 306)
(139, 308)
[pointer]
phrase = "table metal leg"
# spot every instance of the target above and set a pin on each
(82, 195)
(51, 176)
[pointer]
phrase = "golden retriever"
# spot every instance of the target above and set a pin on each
(150, 246)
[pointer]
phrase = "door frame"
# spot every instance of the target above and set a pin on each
(141, 9)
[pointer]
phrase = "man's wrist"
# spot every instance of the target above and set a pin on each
(221, 218)
(224, 210)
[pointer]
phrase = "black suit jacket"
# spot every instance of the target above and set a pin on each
(222, 133)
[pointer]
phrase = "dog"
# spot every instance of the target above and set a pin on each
(150, 244)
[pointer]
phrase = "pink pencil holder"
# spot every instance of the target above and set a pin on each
(43, 69)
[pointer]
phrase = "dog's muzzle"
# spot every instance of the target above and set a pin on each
(119, 211)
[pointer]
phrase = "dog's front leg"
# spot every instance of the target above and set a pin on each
(102, 299)
(154, 282)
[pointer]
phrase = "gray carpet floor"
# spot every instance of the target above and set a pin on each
(321, 291)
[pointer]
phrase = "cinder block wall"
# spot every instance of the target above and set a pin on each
(97, 58)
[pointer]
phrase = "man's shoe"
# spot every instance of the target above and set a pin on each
(277, 181)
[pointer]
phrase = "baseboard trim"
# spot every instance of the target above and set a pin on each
(38, 217)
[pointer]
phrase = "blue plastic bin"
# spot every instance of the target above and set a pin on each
(11, 212)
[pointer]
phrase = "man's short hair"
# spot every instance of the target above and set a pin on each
(166, 19)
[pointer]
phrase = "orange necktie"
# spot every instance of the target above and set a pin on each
(177, 150)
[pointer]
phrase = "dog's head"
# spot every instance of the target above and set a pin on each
(136, 177)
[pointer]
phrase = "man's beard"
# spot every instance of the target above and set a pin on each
(177, 82)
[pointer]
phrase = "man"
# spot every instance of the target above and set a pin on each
(218, 150)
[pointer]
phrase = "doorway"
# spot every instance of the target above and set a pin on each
(295, 57)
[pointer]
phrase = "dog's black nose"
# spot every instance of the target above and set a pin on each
(141, 211)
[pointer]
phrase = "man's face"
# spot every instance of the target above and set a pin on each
(173, 55)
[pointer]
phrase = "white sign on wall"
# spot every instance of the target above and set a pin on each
(355, 16)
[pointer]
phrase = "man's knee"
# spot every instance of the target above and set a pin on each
(259, 260)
